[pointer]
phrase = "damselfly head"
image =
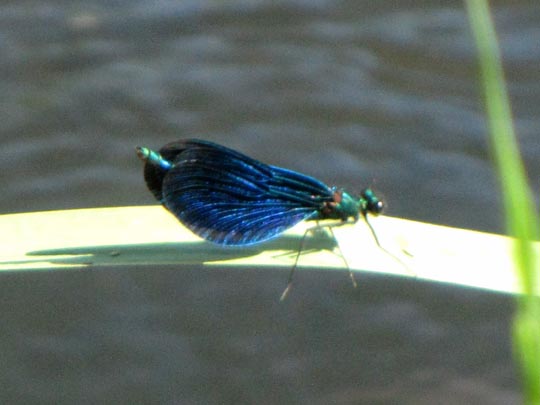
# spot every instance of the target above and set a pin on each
(372, 204)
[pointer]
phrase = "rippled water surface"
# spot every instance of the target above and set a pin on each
(355, 93)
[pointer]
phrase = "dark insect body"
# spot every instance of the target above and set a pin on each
(231, 199)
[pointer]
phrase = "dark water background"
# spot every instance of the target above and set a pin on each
(354, 93)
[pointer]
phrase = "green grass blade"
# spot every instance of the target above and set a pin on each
(521, 217)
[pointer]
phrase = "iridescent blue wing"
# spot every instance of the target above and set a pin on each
(230, 199)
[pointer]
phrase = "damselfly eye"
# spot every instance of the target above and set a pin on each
(377, 207)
